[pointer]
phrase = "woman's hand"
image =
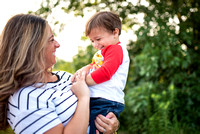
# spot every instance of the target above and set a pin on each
(79, 86)
(108, 124)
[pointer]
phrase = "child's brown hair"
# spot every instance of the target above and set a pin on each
(106, 20)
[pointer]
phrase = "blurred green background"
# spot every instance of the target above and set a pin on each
(163, 86)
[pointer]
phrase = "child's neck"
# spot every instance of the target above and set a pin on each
(116, 41)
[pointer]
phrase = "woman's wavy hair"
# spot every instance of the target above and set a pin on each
(22, 45)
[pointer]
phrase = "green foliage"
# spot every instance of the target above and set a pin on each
(83, 57)
(163, 87)
(62, 65)
(46, 7)
(166, 72)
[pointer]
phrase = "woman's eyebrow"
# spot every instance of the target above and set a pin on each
(51, 36)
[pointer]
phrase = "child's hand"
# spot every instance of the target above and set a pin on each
(74, 76)
(85, 69)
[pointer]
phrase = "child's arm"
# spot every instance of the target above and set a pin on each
(89, 80)
(113, 58)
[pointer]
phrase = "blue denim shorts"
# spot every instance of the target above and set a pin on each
(103, 106)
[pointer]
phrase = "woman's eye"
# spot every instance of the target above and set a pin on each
(51, 40)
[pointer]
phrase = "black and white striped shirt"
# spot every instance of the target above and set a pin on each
(33, 110)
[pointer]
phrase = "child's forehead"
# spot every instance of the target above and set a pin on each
(99, 30)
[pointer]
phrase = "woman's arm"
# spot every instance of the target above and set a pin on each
(108, 124)
(79, 122)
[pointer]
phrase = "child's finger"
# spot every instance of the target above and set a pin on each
(72, 79)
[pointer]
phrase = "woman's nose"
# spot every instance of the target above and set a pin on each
(57, 44)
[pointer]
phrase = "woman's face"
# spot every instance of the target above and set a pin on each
(52, 45)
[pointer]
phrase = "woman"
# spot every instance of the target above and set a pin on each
(33, 99)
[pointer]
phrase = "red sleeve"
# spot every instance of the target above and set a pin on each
(113, 57)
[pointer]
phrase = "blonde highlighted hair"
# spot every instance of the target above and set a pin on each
(22, 44)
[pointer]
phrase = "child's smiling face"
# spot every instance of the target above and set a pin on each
(101, 38)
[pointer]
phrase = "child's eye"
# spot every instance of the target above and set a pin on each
(98, 39)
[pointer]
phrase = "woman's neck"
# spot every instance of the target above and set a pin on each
(50, 77)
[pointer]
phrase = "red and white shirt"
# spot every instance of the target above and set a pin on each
(110, 70)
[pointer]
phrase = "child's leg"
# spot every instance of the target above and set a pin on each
(102, 106)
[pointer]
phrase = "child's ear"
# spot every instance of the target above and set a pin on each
(116, 32)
